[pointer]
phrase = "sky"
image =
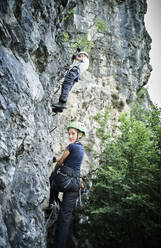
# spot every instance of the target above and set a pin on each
(153, 26)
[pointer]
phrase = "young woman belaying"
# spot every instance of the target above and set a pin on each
(66, 179)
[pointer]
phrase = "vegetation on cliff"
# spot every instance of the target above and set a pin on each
(124, 203)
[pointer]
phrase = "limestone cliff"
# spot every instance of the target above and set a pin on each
(37, 39)
(119, 64)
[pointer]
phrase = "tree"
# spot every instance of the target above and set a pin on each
(124, 204)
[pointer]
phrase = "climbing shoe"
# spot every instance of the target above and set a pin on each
(57, 110)
(60, 105)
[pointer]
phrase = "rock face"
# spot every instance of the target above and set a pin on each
(119, 65)
(36, 46)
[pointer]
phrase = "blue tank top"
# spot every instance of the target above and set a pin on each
(75, 157)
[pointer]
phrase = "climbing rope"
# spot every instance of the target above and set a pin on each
(79, 199)
(54, 208)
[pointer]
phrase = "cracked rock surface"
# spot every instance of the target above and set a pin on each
(33, 61)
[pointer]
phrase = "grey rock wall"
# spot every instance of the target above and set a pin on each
(30, 64)
(119, 66)
(33, 60)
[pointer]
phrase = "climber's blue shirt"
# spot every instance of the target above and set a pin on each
(75, 157)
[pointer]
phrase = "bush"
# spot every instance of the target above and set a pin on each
(124, 204)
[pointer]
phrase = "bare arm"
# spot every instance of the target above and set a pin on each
(61, 160)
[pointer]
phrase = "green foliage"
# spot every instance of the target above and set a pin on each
(138, 108)
(101, 119)
(88, 148)
(101, 26)
(124, 203)
(64, 37)
(82, 41)
(70, 12)
(142, 92)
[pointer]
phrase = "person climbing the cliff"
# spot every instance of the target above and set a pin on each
(66, 179)
(80, 65)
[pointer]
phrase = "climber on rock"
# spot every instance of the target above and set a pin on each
(66, 179)
(80, 65)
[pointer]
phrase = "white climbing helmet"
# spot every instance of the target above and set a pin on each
(83, 52)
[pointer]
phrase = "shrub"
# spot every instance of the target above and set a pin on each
(124, 203)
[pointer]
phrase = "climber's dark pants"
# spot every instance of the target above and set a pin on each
(64, 219)
(67, 181)
(70, 78)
